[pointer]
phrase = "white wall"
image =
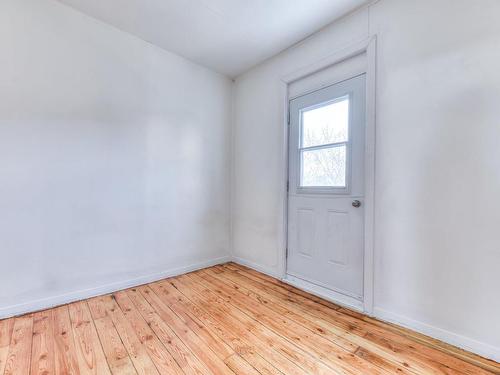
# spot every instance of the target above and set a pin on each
(437, 250)
(114, 158)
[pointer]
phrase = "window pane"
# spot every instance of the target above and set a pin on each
(327, 124)
(324, 167)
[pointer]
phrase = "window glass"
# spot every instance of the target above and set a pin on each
(325, 125)
(323, 146)
(324, 167)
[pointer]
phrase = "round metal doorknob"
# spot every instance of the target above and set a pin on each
(356, 203)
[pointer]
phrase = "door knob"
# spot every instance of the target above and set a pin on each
(356, 203)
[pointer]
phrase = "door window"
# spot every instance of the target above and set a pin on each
(324, 145)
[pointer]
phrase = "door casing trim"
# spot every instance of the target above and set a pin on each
(368, 46)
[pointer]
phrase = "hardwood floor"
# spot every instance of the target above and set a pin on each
(222, 320)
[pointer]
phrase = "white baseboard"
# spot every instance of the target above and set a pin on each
(471, 345)
(257, 267)
(46, 303)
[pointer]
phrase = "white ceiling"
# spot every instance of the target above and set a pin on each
(229, 36)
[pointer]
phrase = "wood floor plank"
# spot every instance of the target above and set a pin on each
(97, 308)
(117, 356)
(19, 357)
(423, 345)
(235, 338)
(65, 358)
(402, 361)
(184, 311)
(429, 358)
(286, 308)
(382, 362)
(457, 358)
(331, 354)
(223, 320)
(285, 291)
(42, 351)
(291, 289)
(89, 352)
(6, 328)
(226, 314)
(281, 305)
(188, 362)
(195, 343)
(138, 354)
(239, 340)
(230, 323)
(240, 366)
(163, 360)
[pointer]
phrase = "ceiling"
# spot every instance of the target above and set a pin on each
(228, 36)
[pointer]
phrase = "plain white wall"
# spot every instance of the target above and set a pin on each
(437, 250)
(114, 158)
(438, 166)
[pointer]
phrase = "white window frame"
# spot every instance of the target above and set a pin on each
(325, 189)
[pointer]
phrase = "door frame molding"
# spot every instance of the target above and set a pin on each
(368, 46)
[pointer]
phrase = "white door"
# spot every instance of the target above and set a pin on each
(326, 188)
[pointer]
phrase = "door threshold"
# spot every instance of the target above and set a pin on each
(325, 293)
